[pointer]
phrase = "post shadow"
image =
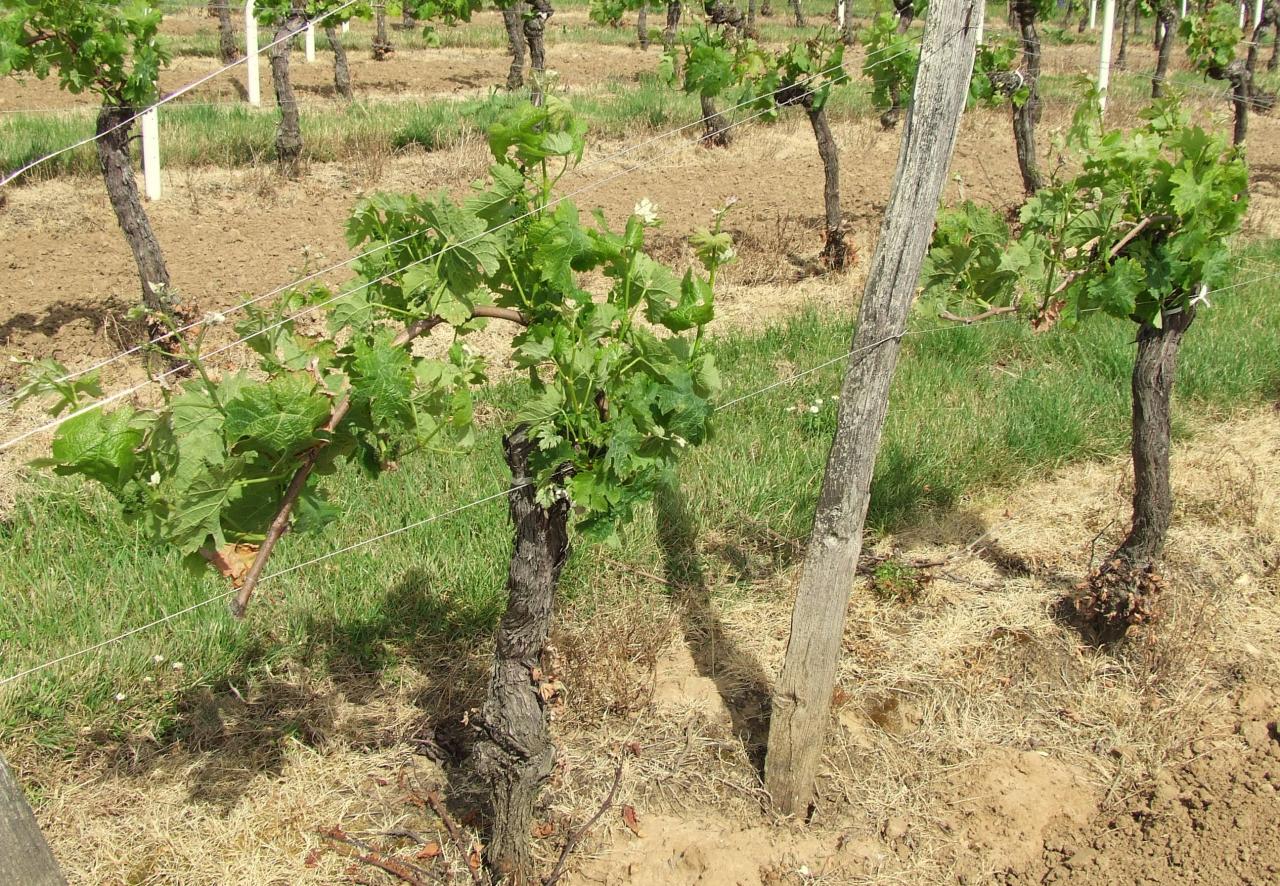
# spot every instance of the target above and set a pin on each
(741, 681)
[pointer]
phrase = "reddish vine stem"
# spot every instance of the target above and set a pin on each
(280, 522)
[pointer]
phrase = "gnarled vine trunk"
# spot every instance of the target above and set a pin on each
(126, 202)
(835, 252)
(381, 46)
(1027, 115)
(798, 12)
(673, 25)
(289, 130)
(715, 127)
(1165, 15)
(535, 27)
(906, 10)
(515, 754)
(1154, 370)
(642, 25)
(228, 47)
(1122, 57)
(513, 19)
(341, 72)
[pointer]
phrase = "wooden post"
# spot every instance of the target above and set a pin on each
(251, 54)
(802, 698)
(151, 154)
(1104, 55)
(309, 41)
(24, 855)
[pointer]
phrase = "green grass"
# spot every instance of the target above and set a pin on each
(972, 408)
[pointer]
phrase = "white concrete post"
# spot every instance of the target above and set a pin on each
(1257, 13)
(982, 22)
(310, 42)
(151, 154)
(1243, 6)
(251, 54)
(346, 26)
(1104, 56)
(1093, 15)
(1184, 8)
(840, 12)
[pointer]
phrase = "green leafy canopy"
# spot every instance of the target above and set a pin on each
(619, 382)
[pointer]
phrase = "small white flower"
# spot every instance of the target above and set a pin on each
(148, 680)
(803, 870)
(791, 409)
(835, 398)
(157, 659)
(215, 318)
(727, 255)
(177, 665)
(154, 479)
(119, 696)
(646, 211)
(813, 408)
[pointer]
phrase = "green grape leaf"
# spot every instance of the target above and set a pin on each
(278, 418)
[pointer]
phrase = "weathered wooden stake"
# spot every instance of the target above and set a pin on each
(802, 698)
(24, 855)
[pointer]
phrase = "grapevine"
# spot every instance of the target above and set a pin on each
(1140, 233)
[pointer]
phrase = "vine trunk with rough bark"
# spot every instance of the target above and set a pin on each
(341, 71)
(24, 854)
(515, 754)
(122, 190)
(906, 10)
(1122, 594)
(835, 251)
(513, 19)
(535, 27)
(798, 12)
(289, 130)
(642, 25)
(802, 698)
(715, 127)
(381, 46)
(1027, 115)
(1165, 15)
(228, 47)
(1274, 61)
(673, 26)
(1154, 371)
(1122, 57)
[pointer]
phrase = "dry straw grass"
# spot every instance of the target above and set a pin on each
(940, 702)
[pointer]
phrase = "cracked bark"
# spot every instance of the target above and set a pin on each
(515, 754)
(122, 190)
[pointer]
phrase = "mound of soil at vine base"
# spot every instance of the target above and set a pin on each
(974, 738)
